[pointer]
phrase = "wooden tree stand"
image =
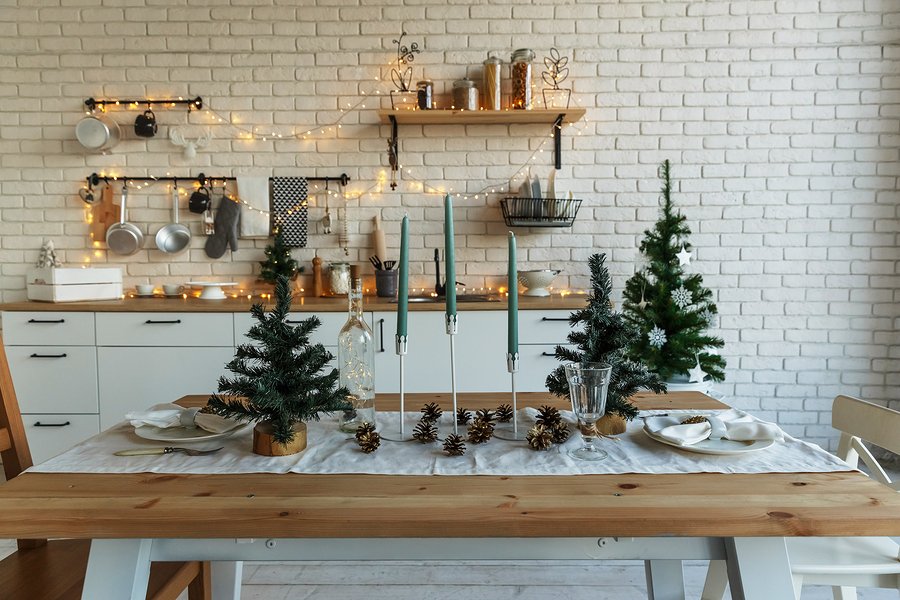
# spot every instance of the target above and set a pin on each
(610, 424)
(264, 443)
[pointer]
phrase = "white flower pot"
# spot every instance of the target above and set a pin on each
(681, 383)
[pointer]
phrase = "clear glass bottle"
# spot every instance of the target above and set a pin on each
(356, 363)
(521, 75)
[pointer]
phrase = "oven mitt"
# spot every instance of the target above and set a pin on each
(226, 224)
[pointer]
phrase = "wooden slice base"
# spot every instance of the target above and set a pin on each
(264, 443)
(610, 424)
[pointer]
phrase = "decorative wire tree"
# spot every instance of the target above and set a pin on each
(605, 338)
(672, 310)
(281, 378)
(278, 261)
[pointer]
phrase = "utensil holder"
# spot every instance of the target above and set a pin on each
(386, 283)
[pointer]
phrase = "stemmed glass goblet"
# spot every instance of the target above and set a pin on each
(588, 386)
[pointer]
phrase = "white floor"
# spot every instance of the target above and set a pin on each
(481, 580)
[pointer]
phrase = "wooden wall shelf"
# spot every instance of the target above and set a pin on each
(557, 116)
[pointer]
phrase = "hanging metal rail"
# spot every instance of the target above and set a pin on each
(201, 178)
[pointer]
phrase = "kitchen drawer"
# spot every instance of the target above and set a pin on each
(536, 362)
(49, 435)
(48, 328)
(51, 379)
(325, 334)
(544, 326)
(165, 329)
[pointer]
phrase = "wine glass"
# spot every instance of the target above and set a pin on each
(588, 385)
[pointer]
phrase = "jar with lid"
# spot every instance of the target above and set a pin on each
(465, 95)
(490, 93)
(521, 75)
(425, 94)
(339, 278)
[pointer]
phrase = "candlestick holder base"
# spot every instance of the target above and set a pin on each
(391, 432)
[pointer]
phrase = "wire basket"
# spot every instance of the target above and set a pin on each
(539, 212)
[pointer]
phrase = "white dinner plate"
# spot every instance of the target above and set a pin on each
(723, 447)
(182, 434)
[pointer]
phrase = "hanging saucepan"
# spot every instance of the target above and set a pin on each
(124, 238)
(98, 132)
(174, 237)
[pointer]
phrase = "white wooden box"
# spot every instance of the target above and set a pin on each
(74, 292)
(70, 275)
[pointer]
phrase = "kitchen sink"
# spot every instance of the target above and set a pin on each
(459, 298)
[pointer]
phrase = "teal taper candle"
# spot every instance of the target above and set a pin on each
(449, 257)
(513, 302)
(403, 284)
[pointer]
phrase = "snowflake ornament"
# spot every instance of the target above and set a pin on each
(682, 297)
(710, 318)
(657, 337)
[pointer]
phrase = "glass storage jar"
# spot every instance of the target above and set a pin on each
(490, 93)
(465, 95)
(521, 75)
(339, 278)
(425, 94)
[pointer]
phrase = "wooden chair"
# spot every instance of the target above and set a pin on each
(851, 562)
(54, 570)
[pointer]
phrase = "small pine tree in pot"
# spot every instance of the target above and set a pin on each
(281, 379)
(279, 261)
(604, 338)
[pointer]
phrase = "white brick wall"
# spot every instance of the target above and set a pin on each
(782, 120)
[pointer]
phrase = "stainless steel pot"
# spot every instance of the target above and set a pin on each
(174, 237)
(124, 238)
(98, 132)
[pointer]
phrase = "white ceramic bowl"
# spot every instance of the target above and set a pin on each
(536, 282)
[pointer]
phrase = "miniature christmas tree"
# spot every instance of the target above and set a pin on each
(47, 256)
(281, 377)
(278, 261)
(605, 337)
(671, 309)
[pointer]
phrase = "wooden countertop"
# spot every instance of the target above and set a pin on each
(301, 304)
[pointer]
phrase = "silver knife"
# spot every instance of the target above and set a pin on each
(166, 450)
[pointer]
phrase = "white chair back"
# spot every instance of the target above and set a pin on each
(860, 421)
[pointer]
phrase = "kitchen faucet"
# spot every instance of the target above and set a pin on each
(439, 288)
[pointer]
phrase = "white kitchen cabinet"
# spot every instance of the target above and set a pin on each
(325, 334)
(536, 362)
(39, 328)
(165, 329)
(54, 379)
(543, 326)
(49, 435)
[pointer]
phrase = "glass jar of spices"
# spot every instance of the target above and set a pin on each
(425, 94)
(465, 95)
(490, 94)
(521, 75)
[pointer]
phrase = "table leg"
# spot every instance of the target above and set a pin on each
(759, 569)
(226, 579)
(117, 569)
(665, 579)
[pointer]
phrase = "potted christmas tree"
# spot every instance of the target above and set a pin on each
(281, 381)
(670, 307)
(604, 338)
(279, 261)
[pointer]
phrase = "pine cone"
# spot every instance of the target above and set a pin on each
(504, 413)
(694, 419)
(431, 412)
(364, 429)
(463, 416)
(454, 445)
(548, 417)
(480, 431)
(485, 414)
(539, 438)
(369, 441)
(425, 432)
(207, 410)
(560, 432)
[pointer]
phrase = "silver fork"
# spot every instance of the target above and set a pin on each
(166, 450)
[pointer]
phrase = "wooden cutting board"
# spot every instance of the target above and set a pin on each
(103, 214)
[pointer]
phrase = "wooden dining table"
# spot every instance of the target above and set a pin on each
(659, 518)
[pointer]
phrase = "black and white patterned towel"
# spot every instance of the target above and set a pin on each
(290, 212)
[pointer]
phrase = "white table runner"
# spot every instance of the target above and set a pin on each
(332, 451)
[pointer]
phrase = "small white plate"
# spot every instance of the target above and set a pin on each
(182, 434)
(722, 447)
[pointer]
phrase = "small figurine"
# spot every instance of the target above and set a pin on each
(47, 256)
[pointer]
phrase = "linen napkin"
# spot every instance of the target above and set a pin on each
(168, 415)
(254, 191)
(731, 424)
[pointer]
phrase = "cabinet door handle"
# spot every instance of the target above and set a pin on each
(39, 424)
(46, 320)
(293, 321)
(152, 322)
(63, 355)
(381, 335)
(551, 354)
(566, 319)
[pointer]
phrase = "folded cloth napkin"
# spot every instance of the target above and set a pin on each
(730, 424)
(254, 192)
(172, 415)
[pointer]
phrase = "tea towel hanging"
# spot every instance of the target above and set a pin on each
(289, 209)
(254, 194)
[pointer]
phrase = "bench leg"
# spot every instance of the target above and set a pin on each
(117, 569)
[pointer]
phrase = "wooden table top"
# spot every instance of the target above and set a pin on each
(297, 505)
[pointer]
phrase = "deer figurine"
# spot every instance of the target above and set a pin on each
(190, 146)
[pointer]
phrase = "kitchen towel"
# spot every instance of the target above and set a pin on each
(289, 209)
(254, 193)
